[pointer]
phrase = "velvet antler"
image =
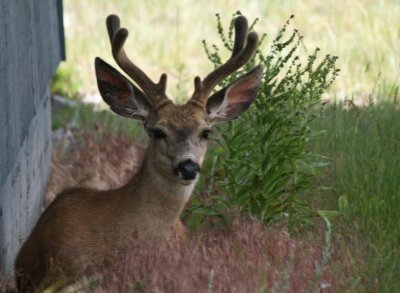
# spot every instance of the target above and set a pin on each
(245, 45)
(154, 91)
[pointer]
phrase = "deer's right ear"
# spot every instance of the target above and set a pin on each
(119, 93)
(232, 101)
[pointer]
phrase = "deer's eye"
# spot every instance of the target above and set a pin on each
(205, 133)
(158, 134)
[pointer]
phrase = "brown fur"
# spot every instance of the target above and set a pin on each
(82, 226)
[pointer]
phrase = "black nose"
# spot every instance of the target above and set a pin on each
(187, 169)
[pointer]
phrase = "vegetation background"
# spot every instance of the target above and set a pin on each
(360, 125)
(165, 36)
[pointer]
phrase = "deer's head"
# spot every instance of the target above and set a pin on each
(178, 133)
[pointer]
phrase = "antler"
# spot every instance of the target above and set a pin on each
(244, 47)
(154, 91)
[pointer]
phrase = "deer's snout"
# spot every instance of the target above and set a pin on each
(187, 170)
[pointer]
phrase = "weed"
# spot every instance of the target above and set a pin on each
(264, 165)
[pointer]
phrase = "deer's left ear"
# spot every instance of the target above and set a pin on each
(232, 101)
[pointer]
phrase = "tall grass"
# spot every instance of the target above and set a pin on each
(364, 146)
(244, 258)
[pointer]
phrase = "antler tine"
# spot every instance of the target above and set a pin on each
(244, 47)
(118, 36)
(113, 24)
(241, 28)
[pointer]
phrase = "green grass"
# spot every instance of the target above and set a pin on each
(364, 147)
(165, 36)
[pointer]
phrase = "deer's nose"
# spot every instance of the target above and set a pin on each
(187, 170)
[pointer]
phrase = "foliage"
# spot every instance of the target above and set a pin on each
(263, 163)
(65, 83)
(164, 36)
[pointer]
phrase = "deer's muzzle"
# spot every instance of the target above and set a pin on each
(187, 170)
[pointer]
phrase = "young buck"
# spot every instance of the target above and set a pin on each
(78, 228)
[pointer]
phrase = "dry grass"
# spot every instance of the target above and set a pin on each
(245, 257)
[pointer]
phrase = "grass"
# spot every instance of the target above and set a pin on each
(244, 256)
(362, 142)
(87, 117)
(364, 147)
(165, 36)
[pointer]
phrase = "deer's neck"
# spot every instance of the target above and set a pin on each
(149, 180)
(162, 197)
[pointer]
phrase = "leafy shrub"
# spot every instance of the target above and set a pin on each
(262, 164)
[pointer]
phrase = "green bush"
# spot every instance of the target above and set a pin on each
(263, 164)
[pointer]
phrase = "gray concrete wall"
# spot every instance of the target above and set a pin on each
(31, 47)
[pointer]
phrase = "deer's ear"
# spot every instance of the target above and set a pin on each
(119, 93)
(232, 101)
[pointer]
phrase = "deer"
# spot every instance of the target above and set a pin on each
(75, 231)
